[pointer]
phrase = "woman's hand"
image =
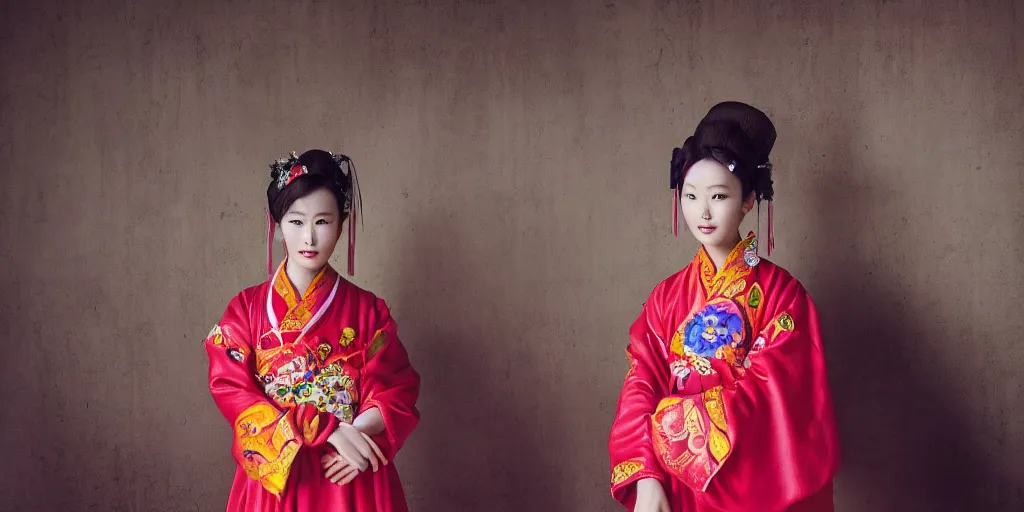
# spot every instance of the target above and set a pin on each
(337, 469)
(650, 496)
(356, 448)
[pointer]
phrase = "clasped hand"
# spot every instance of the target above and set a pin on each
(355, 452)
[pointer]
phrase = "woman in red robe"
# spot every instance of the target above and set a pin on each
(317, 387)
(725, 406)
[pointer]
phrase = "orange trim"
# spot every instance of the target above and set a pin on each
(301, 311)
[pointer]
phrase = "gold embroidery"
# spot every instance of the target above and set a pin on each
(707, 269)
(719, 444)
(731, 279)
(785, 322)
(734, 289)
(216, 336)
(694, 425)
(379, 340)
(266, 446)
(323, 351)
(676, 346)
(754, 297)
(284, 288)
(726, 353)
(309, 430)
(725, 281)
(624, 470)
(348, 335)
(716, 407)
(266, 357)
(299, 312)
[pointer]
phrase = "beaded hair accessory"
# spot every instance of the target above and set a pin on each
(285, 170)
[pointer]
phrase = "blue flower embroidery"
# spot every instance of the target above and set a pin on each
(712, 328)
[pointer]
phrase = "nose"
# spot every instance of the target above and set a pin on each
(707, 212)
(311, 236)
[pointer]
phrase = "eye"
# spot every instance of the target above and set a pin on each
(295, 222)
(719, 197)
(691, 197)
(322, 222)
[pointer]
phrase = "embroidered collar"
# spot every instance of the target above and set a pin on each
(737, 265)
(291, 313)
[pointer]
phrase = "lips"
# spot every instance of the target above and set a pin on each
(707, 230)
(309, 254)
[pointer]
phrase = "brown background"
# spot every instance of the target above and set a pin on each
(514, 159)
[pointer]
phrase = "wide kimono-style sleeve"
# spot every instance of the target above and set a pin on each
(389, 383)
(647, 381)
(781, 424)
(266, 436)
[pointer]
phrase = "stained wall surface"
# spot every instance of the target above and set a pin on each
(513, 158)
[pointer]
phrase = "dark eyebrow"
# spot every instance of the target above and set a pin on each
(720, 185)
(296, 212)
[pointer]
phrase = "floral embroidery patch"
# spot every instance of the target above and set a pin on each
(302, 380)
(719, 324)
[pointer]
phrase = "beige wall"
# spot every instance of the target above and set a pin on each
(514, 159)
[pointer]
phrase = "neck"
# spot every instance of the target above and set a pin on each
(720, 253)
(300, 277)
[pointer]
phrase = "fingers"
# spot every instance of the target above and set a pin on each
(350, 455)
(348, 479)
(335, 471)
(334, 466)
(363, 447)
(376, 449)
(355, 449)
(329, 459)
(345, 476)
(374, 462)
(358, 449)
(354, 458)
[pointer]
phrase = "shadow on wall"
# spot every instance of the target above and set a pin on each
(475, 448)
(906, 435)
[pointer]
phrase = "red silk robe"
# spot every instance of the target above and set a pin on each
(286, 368)
(726, 400)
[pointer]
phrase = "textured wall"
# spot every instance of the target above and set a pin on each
(514, 159)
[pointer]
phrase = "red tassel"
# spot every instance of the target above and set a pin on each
(675, 212)
(758, 249)
(270, 245)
